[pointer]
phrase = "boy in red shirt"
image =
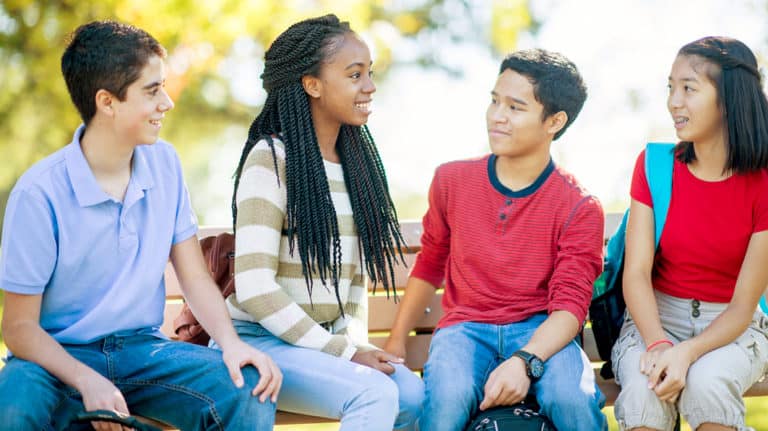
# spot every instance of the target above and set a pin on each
(518, 243)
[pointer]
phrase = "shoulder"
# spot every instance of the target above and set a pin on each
(575, 195)
(571, 185)
(266, 153)
(463, 169)
(43, 176)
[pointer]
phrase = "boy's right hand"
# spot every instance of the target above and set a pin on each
(100, 394)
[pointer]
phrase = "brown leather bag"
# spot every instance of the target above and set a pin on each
(219, 253)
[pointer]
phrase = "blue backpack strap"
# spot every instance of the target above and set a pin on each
(659, 160)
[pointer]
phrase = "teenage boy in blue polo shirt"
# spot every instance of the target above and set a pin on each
(87, 234)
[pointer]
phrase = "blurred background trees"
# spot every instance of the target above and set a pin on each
(215, 52)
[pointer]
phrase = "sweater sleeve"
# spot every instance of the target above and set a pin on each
(261, 208)
(435, 241)
(579, 259)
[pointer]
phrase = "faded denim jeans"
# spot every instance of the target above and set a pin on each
(462, 356)
(181, 384)
(319, 384)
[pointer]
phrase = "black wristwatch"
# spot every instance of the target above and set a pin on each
(534, 366)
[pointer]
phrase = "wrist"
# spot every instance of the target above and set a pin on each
(657, 343)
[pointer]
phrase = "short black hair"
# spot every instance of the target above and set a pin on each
(557, 83)
(740, 97)
(105, 55)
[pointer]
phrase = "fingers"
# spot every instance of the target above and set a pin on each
(270, 380)
(385, 368)
(388, 357)
(670, 387)
(275, 383)
(234, 372)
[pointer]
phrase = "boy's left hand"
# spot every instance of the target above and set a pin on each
(241, 354)
(508, 384)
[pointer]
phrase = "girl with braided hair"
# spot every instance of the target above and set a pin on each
(693, 341)
(313, 215)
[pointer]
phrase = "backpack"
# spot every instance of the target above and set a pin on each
(520, 417)
(606, 311)
(219, 253)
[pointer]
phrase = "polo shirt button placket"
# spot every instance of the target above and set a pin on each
(695, 308)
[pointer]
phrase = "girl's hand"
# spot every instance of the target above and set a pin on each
(667, 378)
(378, 360)
(649, 359)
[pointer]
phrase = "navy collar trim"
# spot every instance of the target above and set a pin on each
(504, 190)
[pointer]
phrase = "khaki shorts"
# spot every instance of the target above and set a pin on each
(715, 382)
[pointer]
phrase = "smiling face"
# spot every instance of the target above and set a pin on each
(343, 90)
(693, 101)
(138, 118)
(514, 118)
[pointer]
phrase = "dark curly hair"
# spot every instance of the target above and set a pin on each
(312, 225)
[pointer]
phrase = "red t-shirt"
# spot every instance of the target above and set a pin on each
(506, 255)
(707, 232)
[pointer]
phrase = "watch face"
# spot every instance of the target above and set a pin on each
(536, 367)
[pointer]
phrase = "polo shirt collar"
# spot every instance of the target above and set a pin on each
(84, 184)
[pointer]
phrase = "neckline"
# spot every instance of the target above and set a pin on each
(527, 191)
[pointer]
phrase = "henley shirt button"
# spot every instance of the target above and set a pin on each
(695, 303)
(695, 312)
(509, 202)
(502, 216)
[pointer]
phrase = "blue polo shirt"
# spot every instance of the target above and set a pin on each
(97, 262)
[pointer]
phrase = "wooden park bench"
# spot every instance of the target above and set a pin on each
(382, 311)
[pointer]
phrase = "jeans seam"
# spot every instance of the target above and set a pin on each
(178, 388)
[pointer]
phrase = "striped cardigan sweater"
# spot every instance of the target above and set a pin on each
(269, 286)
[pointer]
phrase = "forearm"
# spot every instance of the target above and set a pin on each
(553, 334)
(418, 294)
(207, 304)
(28, 341)
(641, 303)
(726, 328)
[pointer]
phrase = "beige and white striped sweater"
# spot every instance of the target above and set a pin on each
(269, 286)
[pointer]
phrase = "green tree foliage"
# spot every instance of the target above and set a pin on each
(36, 116)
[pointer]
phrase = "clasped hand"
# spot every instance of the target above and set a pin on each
(667, 368)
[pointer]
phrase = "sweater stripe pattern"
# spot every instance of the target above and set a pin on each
(269, 286)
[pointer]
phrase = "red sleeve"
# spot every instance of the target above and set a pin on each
(579, 260)
(436, 239)
(640, 190)
(761, 206)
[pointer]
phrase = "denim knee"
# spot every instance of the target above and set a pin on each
(245, 411)
(382, 394)
(29, 396)
(411, 399)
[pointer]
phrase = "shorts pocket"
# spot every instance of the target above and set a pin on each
(754, 343)
(628, 339)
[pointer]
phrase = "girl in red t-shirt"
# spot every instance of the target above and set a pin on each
(693, 340)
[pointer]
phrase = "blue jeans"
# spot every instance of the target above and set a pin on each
(181, 384)
(462, 356)
(319, 384)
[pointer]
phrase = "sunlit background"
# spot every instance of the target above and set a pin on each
(435, 61)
